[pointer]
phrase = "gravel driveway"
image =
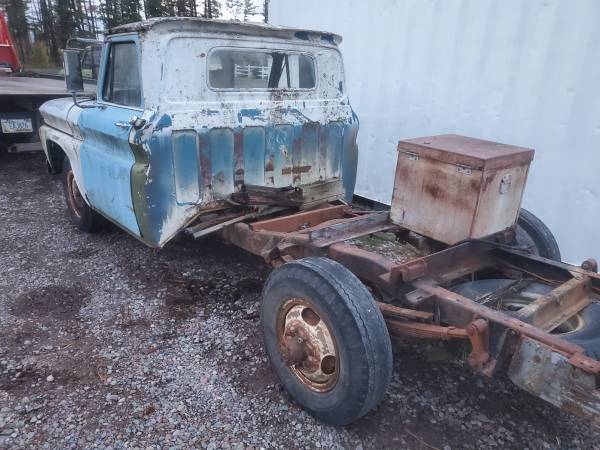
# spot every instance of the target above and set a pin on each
(106, 343)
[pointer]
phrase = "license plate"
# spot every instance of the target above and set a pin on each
(16, 126)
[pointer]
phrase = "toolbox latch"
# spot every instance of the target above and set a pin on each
(467, 170)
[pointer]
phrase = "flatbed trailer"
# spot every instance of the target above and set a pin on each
(418, 299)
(20, 99)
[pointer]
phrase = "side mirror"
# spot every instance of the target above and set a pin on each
(73, 75)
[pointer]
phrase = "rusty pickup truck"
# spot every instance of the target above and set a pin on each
(245, 131)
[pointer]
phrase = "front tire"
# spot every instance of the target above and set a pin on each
(326, 339)
(84, 217)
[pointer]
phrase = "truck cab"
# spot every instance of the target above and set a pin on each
(188, 112)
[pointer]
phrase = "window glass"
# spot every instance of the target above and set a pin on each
(255, 69)
(122, 80)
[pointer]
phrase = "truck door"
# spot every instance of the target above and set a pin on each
(106, 156)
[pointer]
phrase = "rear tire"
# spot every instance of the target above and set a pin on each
(535, 237)
(84, 217)
(583, 329)
(322, 305)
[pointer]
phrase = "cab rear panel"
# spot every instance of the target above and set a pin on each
(225, 105)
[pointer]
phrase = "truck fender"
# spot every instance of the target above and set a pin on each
(58, 146)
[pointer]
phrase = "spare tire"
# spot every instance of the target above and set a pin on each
(582, 329)
(535, 237)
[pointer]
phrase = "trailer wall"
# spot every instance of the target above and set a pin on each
(520, 72)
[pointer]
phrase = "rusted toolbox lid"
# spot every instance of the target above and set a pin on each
(467, 151)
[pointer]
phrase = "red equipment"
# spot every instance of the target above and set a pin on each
(9, 60)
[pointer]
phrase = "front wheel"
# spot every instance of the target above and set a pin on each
(326, 339)
(84, 217)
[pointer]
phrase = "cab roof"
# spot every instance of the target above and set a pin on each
(259, 29)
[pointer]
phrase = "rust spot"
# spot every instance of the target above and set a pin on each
(269, 167)
(434, 190)
(219, 177)
(205, 161)
(295, 170)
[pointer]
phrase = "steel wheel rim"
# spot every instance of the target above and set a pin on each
(75, 198)
(514, 304)
(307, 345)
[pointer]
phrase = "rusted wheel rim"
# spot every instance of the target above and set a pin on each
(307, 345)
(74, 195)
(516, 302)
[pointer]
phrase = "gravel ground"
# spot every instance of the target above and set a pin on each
(106, 343)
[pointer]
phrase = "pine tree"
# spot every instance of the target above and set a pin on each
(212, 9)
(119, 12)
(155, 8)
(65, 24)
(266, 11)
(46, 29)
(130, 11)
(249, 9)
(236, 8)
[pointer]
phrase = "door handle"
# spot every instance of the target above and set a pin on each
(124, 125)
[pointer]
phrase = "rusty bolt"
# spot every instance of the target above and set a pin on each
(590, 265)
(293, 350)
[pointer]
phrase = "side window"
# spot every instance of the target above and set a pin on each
(122, 79)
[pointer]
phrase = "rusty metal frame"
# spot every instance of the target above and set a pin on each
(323, 231)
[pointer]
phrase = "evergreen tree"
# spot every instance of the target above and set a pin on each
(249, 9)
(130, 11)
(66, 22)
(212, 9)
(155, 8)
(236, 8)
(266, 11)
(119, 12)
(46, 29)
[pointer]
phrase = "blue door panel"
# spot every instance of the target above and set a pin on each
(106, 162)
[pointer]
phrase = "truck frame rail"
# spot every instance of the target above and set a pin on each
(416, 299)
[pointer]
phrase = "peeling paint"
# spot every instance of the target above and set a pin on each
(199, 145)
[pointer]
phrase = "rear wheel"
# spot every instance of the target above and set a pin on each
(582, 328)
(326, 339)
(82, 215)
(534, 236)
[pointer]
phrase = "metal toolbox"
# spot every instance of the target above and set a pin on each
(451, 188)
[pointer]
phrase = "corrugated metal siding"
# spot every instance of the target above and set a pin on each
(520, 72)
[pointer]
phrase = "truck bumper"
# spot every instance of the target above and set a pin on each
(549, 375)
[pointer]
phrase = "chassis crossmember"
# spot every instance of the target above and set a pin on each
(416, 298)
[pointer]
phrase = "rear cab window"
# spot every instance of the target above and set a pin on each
(122, 78)
(249, 69)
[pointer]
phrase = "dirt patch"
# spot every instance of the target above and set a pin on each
(57, 302)
(80, 253)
